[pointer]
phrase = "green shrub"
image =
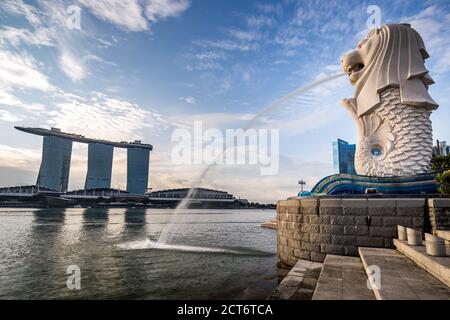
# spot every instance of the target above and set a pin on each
(440, 163)
(444, 181)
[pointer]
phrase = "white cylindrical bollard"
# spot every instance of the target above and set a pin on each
(414, 237)
(401, 233)
(435, 246)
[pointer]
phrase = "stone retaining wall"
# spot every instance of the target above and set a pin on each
(439, 214)
(310, 228)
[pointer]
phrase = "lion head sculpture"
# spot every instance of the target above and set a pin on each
(391, 105)
(393, 55)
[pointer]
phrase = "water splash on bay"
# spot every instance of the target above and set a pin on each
(167, 235)
(154, 245)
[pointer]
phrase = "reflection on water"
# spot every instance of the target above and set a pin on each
(224, 254)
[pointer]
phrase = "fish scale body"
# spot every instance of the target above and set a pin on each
(404, 135)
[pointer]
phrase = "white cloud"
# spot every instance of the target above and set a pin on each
(110, 118)
(244, 35)
(290, 38)
(9, 117)
(236, 40)
(162, 9)
(8, 99)
(259, 21)
(129, 15)
(227, 44)
(125, 14)
(76, 68)
(206, 60)
(432, 24)
(19, 8)
(13, 157)
(72, 66)
(15, 36)
(270, 8)
(189, 100)
(20, 71)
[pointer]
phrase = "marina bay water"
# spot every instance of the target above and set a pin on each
(225, 254)
(168, 233)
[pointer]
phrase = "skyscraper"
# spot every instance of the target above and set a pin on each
(56, 155)
(100, 160)
(137, 170)
(55, 164)
(441, 148)
(343, 157)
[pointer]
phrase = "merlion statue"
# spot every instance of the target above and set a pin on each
(391, 105)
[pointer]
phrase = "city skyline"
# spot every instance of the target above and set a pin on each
(139, 72)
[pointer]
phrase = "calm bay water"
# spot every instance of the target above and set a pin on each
(232, 256)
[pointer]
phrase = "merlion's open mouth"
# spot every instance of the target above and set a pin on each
(354, 71)
(354, 68)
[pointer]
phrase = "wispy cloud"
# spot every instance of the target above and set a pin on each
(19, 8)
(9, 117)
(162, 9)
(270, 8)
(189, 100)
(259, 21)
(124, 14)
(16, 36)
(13, 157)
(135, 15)
(433, 25)
(109, 117)
(205, 60)
(227, 44)
(7, 98)
(21, 71)
(72, 66)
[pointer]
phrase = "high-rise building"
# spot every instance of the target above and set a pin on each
(343, 157)
(100, 160)
(441, 148)
(137, 170)
(56, 155)
(55, 164)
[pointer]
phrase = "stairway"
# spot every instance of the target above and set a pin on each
(401, 278)
(342, 278)
(404, 273)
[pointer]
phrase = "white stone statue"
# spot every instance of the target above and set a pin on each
(391, 105)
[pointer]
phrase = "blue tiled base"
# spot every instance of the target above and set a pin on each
(356, 184)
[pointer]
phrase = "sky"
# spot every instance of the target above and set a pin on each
(141, 69)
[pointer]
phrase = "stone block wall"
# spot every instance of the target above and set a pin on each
(439, 210)
(310, 228)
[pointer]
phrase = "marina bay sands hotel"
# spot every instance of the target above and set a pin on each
(57, 153)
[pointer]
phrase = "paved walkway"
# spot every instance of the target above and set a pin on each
(402, 279)
(439, 267)
(342, 278)
(299, 283)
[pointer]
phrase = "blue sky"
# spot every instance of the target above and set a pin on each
(142, 69)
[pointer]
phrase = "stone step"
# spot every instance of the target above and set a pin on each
(444, 234)
(299, 283)
(342, 278)
(400, 278)
(439, 267)
(272, 224)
